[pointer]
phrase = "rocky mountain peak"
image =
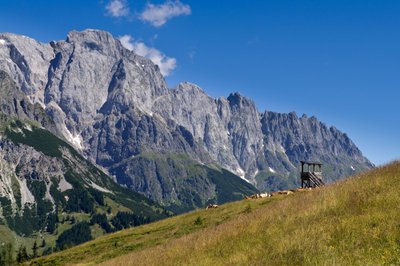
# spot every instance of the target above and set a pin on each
(26, 61)
(96, 35)
(189, 87)
(96, 41)
(238, 103)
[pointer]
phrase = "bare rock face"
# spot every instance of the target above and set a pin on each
(229, 129)
(89, 73)
(22, 164)
(113, 106)
(27, 62)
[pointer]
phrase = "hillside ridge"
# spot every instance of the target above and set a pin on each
(351, 222)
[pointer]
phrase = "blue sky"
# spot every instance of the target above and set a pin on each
(336, 59)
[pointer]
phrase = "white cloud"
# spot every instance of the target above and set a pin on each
(165, 63)
(158, 15)
(118, 8)
(127, 42)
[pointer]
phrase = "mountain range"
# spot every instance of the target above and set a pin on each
(86, 114)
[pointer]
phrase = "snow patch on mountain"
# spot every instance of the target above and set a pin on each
(271, 170)
(99, 188)
(75, 139)
(240, 172)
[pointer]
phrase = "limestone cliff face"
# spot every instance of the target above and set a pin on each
(113, 106)
(27, 62)
(39, 171)
(228, 129)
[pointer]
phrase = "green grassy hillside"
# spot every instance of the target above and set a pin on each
(353, 222)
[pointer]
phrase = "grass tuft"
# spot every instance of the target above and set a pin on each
(198, 221)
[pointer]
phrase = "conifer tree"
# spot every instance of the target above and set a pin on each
(35, 249)
(22, 255)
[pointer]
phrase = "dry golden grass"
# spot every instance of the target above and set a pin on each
(354, 222)
(142, 237)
